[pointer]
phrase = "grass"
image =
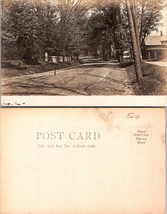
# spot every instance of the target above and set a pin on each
(11, 68)
(154, 79)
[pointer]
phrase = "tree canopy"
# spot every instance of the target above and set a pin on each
(31, 27)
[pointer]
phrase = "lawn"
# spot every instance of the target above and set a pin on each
(154, 80)
(12, 68)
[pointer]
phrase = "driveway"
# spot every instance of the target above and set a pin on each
(159, 63)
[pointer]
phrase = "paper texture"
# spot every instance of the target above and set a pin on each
(30, 101)
(67, 161)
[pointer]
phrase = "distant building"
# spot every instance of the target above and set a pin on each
(156, 47)
(156, 43)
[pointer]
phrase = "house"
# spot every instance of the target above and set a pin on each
(156, 47)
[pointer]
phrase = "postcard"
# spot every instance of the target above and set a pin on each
(83, 52)
(82, 160)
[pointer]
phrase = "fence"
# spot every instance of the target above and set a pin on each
(58, 59)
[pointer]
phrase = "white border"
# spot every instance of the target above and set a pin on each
(100, 101)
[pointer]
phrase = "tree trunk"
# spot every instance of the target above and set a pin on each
(117, 56)
(109, 51)
(103, 52)
(136, 52)
(136, 27)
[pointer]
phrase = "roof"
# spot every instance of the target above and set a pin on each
(155, 40)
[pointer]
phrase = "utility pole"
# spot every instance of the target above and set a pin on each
(134, 15)
(135, 40)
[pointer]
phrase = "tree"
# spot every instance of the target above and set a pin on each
(71, 25)
(99, 37)
(108, 26)
(31, 26)
(149, 16)
(135, 40)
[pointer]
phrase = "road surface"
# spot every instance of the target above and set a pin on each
(159, 63)
(88, 79)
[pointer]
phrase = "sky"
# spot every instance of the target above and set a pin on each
(164, 21)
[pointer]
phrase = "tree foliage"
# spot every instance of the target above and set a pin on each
(109, 28)
(149, 16)
(31, 27)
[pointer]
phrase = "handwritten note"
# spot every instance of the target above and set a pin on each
(13, 103)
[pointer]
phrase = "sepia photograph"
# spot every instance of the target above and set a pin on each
(83, 47)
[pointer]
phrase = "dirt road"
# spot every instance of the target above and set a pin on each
(88, 79)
